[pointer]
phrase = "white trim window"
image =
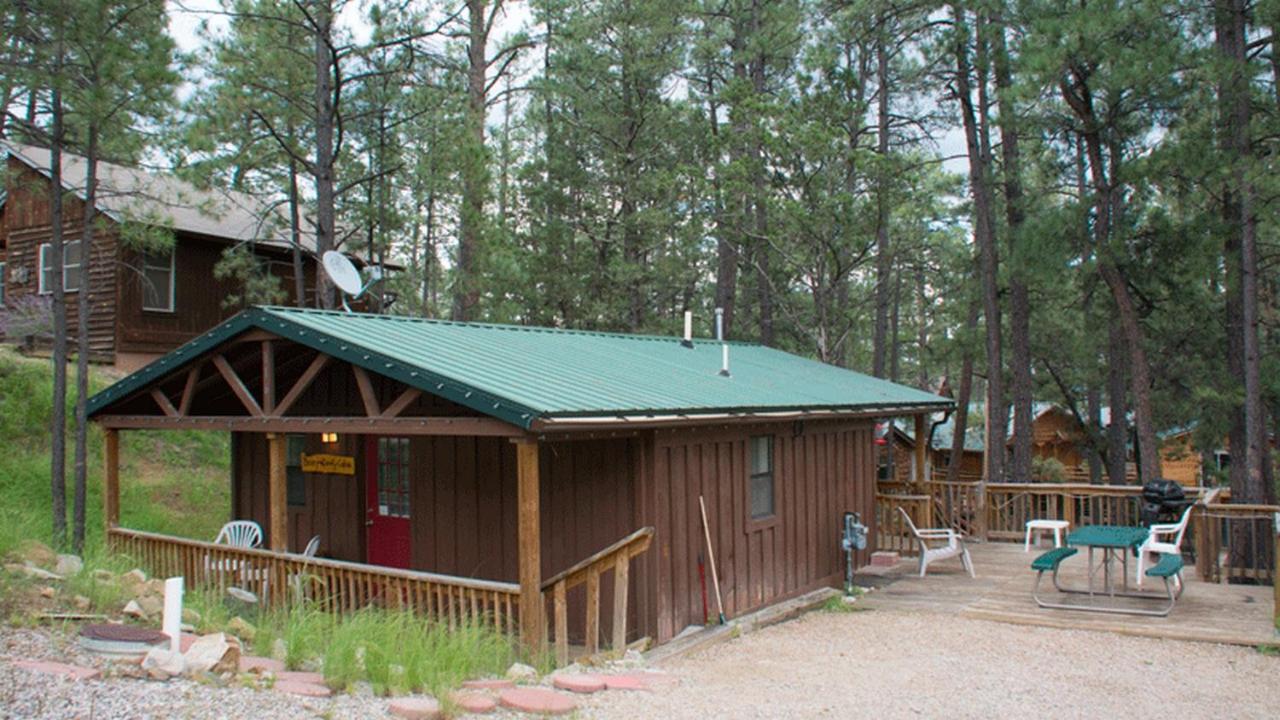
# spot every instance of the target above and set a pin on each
(158, 281)
(71, 267)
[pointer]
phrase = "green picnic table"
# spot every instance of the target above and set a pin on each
(1117, 542)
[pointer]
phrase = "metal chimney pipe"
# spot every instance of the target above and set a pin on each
(688, 329)
(719, 324)
(724, 360)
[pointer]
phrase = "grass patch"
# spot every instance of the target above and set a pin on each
(171, 482)
(838, 604)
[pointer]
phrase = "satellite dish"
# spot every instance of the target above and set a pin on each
(346, 277)
(342, 272)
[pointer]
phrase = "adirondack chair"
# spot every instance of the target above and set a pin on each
(954, 546)
(1163, 540)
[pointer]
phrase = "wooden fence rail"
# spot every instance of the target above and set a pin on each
(285, 579)
(892, 532)
(616, 557)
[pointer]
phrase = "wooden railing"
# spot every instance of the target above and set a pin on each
(284, 579)
(1236, 543)
(892, 532)
(616, 557)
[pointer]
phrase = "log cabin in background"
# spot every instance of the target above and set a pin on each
(143, 303)
(510, 468)
(1058, 447)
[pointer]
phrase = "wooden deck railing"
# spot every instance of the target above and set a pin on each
(892, 532)
(1236, 543)
(616, 557)
(283, 579)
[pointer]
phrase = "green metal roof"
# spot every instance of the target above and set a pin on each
(523, 374)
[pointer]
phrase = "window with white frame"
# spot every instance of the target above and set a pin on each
(761, 486)
(71, 267)
(157, 281)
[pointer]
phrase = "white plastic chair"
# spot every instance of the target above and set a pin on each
(1162, 539)
(313, 547)
(954, 545)
(298, 581)
(240, 533)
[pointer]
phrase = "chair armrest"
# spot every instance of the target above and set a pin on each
(939, 534)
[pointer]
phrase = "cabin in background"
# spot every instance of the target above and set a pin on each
(143, 304)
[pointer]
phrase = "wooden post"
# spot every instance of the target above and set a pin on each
(922, 449)
(276, 493)
(529, 541)
(111, 478)
(1275, 579)
(621, 575)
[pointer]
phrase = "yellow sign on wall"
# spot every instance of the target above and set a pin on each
(329, 464)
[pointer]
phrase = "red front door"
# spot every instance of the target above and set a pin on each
(387, 501)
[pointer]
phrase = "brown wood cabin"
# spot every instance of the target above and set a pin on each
(898, 465)
(143, 304)
(512, 454)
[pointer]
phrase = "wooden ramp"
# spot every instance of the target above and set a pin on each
(1207, 612)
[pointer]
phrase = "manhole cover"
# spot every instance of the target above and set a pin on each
(120, 641)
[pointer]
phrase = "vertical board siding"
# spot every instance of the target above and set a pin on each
(819, 473)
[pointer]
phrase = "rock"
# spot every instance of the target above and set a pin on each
(519, 672)
(68, 565)
(48, 592)
(216, 653)
(134, 577)
(415, 708)
(279, 649)
(134, 610)
(312, 678)
(539, 701)
(102, 575)
(81, 603)
(155, 586)
(151, 606)
(242, 628)
(162, 664)
(190, 617)
(242, 595)
(34, 552)
(74, 672)
(32, 571)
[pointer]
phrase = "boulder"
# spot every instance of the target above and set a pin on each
(48, 592)
(162, 664)
(242, 628)
(134, 577)
(34, 552)
(415, 708)
(134, 610)
(519, 672)
(68, 565)
(151, 605)
(216, 653)
(81, 603)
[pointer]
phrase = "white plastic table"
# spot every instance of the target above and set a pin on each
(1058, 527)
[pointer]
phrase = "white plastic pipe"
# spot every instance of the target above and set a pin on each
(688, 326)
(719, 324)
(724, 359)
(172, 622)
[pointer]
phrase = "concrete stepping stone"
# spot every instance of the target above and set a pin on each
(415, 708)
(313, 678)
(297, 687)
(639, 681)
(75, 672)
(254, 664)
(472, 702)
(185, 641)
(579, 683)
(538, 701)
(488, 684)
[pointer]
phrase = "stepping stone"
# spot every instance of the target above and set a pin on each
(185, 641)
(584, 683)
(306, 689)
(253, 664)
(538, 701)
(314, 678)
(75, 672)
(415, 708)
(488, 684)
(639, 681)
(474, 702)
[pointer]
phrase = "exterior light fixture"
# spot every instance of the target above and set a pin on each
(329, 438)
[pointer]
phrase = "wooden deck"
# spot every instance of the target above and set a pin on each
(1207, 612)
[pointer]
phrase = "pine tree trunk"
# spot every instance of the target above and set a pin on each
(466, 290)
(1117, 400)
(84, 303)
(58, 419)
(963, 398)
(884, 257)
(295, 238)
(326, 127)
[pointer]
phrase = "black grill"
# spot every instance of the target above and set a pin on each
(1162, 501)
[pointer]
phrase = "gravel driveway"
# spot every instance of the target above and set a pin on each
(883, 664)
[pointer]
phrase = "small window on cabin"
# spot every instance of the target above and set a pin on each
(295, 481)
(762, 498)
(157, 281)
(70, 267)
